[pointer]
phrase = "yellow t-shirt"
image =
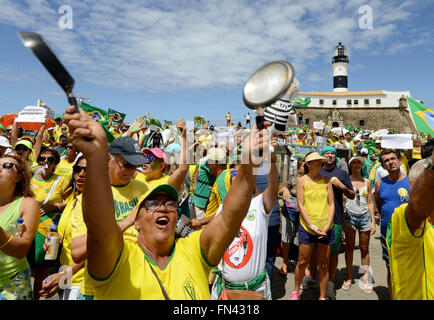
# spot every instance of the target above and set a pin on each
(64, 168)
(152, 183)
(417, 153)
(41, 188)
(73, 204)
(316, 204)
(185, 277)
(411, 258)
(215, 199)
(191, 171)
(125, 199)
(78, 228)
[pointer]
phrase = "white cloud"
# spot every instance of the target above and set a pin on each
(174, 45)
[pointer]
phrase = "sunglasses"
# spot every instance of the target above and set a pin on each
(8, 165)
(69, 147)
(78, 169)
(149, 159)
(170, 205)
(48, 159)
(21, 148)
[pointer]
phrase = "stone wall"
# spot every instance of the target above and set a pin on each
(376, 118)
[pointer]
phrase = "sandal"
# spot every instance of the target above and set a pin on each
(366, 288)
(346, 285)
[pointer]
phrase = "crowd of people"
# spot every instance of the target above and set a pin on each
(181, 213)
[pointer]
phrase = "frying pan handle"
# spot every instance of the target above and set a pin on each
(73, 101)
(260, 125)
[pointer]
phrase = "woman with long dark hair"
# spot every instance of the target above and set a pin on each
(70, 269)
(359, 216)
(16, 202)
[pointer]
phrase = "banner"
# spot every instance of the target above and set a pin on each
(423, 116)
(118, 117)
(300, 151)
(318, 125)
(32, 114)
(397, 141)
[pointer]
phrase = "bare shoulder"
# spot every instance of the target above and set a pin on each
(29, 203)
(300, 180)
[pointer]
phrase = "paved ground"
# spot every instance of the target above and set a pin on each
(283, 285)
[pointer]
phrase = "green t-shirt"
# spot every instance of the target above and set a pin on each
(366, 168)
(205, 180)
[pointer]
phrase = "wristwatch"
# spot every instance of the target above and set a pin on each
(428, 164)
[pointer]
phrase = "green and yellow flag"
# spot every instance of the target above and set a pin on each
(300, 103)
(423, 116)
(118, 117)
(100, 115)
(94, 112)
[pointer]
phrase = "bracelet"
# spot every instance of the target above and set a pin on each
(7, 242)
(314, 228)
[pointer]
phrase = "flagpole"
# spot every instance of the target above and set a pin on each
(404, 107)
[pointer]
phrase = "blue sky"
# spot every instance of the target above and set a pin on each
(180, 59)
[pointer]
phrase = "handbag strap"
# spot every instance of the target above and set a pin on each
(166, 297)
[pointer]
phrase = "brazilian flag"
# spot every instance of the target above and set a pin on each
(94, 112)
(300, 103)
(48, 222)
(423, 116)
(100, 115)
(118, 117)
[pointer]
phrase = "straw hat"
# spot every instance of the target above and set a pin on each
(314, 156)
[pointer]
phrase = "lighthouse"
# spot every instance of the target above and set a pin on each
(340, 69)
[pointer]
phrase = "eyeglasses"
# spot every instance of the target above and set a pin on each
(78, 169)
(170, 205)
(125, 165)
(48, 159)
(8, 165)
(149, 159)
(21, 147)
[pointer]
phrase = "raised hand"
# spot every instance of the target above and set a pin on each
(86, 135)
